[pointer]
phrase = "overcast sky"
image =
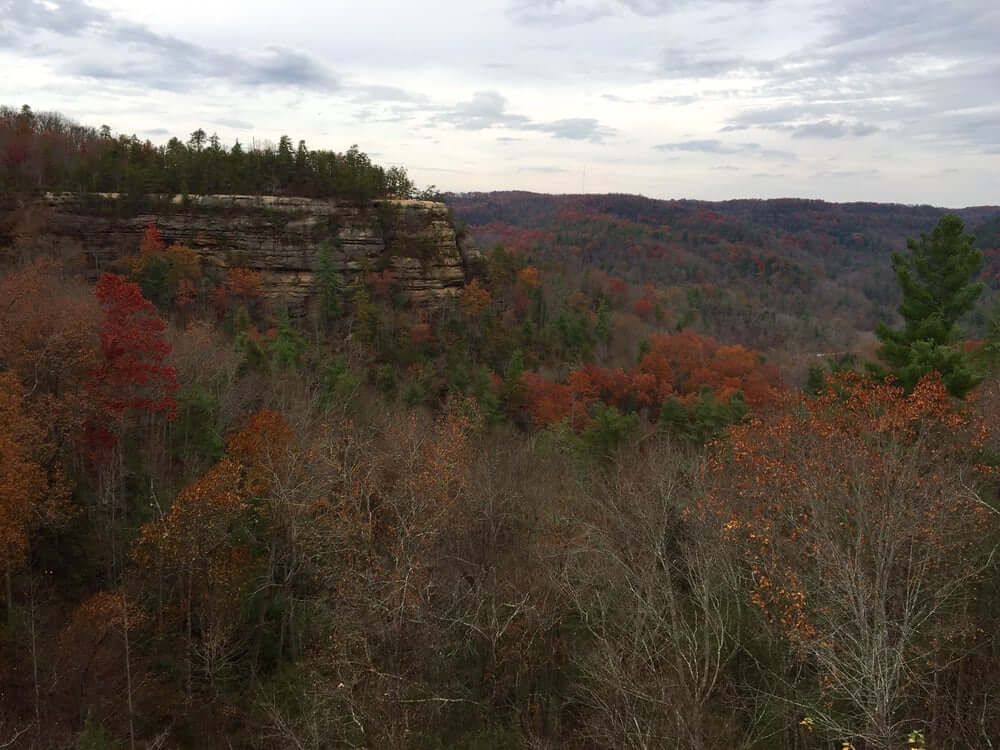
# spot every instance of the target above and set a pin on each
(886, 100)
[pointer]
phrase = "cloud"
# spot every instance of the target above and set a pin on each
(574, 129)
(679, 63)
(678, 101)
(554, 13)
(70, 18)
(446, 170)
(279, 66)
(376, 93)
(388, 104)
(845, 174)
(713, 146)
(976, 129)
(488, 109)
(396, 113)
(784, 119)
(649, 8)
(558, 12)
(145, 58)
(234, 123)
(768, 117)
(830, 129)
(652, 8)
(921, 69)
(544, 170)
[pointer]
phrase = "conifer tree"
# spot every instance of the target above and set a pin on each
(288, 344)
(936, 278)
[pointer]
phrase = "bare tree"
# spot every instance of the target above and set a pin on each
(659, 604)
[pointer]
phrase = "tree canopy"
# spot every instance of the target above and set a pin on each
(937, 281)
(46, 151)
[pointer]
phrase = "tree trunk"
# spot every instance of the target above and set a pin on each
(9, 579)
(34, 664)
(189, 636)
(128, 673)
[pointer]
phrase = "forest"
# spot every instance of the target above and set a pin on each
(47, 151)
(605, 496)
(792, 278)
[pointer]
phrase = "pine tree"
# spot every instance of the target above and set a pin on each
(288, 344)
(936, 278)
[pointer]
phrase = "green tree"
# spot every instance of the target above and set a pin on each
(816, 382)
(609, 430)
(936, 278)
(398, 183)
(288, 344)
(990, 355)
(197, 140)
(705, 418)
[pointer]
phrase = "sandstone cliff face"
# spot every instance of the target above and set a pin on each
(280, 237)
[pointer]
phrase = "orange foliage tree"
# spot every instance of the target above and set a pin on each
(204, 545)
(862, 531)
(474, 298)
(694, 361)
(241, 287)
(30, 495)
(643, 307)
(48, 338)
(529, 277)
(679, 365)
(151, 243)
(198, 549)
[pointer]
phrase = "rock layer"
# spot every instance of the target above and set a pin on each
(280, 237)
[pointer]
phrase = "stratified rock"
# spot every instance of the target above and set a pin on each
(280, 237)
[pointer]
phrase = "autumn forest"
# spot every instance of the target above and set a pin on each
(651, 474)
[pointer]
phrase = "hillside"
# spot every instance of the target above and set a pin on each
(790, 277)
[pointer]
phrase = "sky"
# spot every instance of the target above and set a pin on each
(876, 100)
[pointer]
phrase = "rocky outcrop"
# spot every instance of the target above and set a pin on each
(280, 237)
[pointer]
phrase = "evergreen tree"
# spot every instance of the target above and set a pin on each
(609, 430)
(705, 418)
(816, 382)
(936, 278)
(288, 344)
(197, 140)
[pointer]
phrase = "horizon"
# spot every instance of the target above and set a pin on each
(704, 100)
(732, 200)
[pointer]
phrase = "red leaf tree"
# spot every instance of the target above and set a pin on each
(131, 375)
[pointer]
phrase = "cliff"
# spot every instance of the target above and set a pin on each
(280, 237)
